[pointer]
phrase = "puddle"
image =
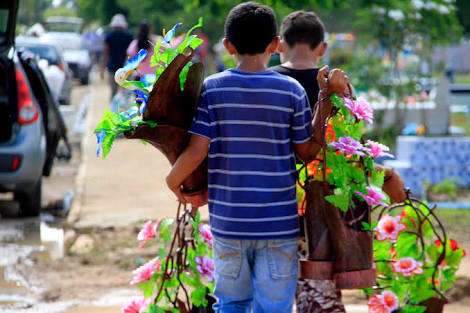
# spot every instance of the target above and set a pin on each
(22, 243)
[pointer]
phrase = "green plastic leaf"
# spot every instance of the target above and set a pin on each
(108, 143)
(377, 178)
(195, 42)
(184, 74)
(454, 258)
(139, 85)
(413, 309)
(369, 227)
(340, 199)
(420, 294)
(382, 249)
(198, 296)
(147, 288)
(406, 246)
(336, 101)
(154, 61)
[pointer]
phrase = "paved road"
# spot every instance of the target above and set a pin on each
(128, 186)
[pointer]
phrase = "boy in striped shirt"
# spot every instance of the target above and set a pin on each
(250, 121)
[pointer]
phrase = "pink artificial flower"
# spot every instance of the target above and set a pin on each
(386, 302)
(206, 234)
(360, 109)
(147, 232)
(407, 266)
(349, 146)
(137, 305)
(389, 227)
(374, 196)
(146, 271)
(205, 267)
(377, 150)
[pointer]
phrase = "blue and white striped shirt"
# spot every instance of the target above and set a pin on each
(252, 119)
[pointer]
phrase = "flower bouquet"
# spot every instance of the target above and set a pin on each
(180, 279)
(416, 262)
(165, 103)
(336, 192)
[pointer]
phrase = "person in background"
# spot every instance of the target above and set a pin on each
(301, 47)
(115, 48)
(143, 41)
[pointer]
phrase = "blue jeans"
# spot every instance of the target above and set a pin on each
(255, 274)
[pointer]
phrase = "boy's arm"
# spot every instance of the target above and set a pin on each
(337, 83)
(186, 163)
(393, 184)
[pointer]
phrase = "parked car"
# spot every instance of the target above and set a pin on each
(30, 123)
(56, 70)
(65, 31)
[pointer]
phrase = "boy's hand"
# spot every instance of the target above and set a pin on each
(337, 82)
(394, 187)
(175, 187)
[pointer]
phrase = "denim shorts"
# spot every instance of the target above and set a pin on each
(258, 275)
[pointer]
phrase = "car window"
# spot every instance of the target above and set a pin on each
(3, 24)
(43, 52)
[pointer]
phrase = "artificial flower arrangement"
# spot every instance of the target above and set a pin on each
(180, 279)
(416, 262)
(347, 158)
(127, 121)
(336, 192)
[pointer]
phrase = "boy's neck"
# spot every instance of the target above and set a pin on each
(301, 57)
(253, 63)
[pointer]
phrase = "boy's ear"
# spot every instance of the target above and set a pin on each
(322, 49)
(274, 45)
(229, 46)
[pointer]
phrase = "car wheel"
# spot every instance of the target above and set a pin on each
(30, 201)
(85, 80)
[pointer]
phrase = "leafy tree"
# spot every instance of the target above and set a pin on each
(463, 12)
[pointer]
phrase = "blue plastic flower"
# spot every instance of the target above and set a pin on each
(99, 141)
(169, 35)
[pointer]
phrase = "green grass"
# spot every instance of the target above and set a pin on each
(462, 78)
(456, 223)
(461, 120)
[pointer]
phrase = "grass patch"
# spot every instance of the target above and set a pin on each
(462, 78)
(461, 120)
(456, 223)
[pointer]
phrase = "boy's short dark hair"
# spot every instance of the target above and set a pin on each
(302, 27)
(251, 27)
